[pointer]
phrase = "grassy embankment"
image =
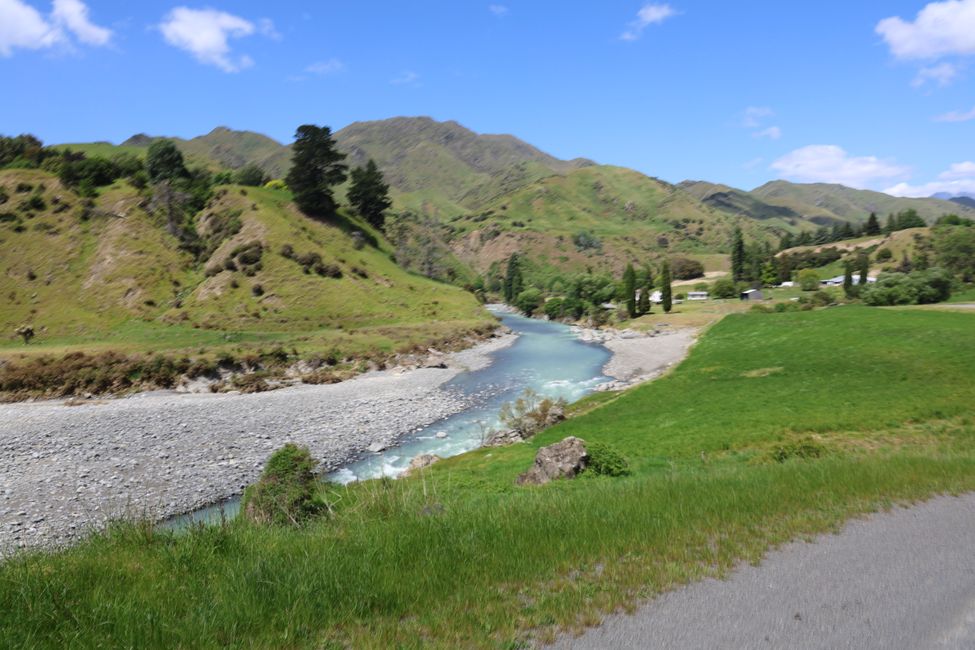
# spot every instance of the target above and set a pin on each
(777, 426)
(105, 275)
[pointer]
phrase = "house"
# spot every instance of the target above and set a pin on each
(787, 285)
(752, 294)
(697, 295)
(656, 297)
(838, 280)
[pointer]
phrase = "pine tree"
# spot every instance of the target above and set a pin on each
(628, 290)
(514, 284)
(737, 256)
(873, 226)
(369, 194)
(316, 167)
(891, 224)
(665, 289)
(164, 162)
(864, 263)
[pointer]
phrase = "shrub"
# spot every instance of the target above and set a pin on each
(286, 493)
(917, 288)
(724, 288)
(251, 175)
(257, 290)
(528, 300)
(605, 460)
(585, 240)
(808, 280)
(884, 255)
(683, 268)
(531, 413)
(276, 184)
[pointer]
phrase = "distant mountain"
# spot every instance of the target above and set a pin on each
(967, 201)
(443, 167)
(229, 148)
(825, 203)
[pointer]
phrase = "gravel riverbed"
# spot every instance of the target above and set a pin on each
(67, 470)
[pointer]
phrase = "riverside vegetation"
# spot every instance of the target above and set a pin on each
(778, 425)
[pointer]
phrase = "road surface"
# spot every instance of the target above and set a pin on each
(898, 580)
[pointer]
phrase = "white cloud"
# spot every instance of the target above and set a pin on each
(940, 29)
(772, 133)
(959, 171)
(322, 68)
(753, 116)
(407, 78)
(205, 33)
(650, 14)
(73, 15)
(266, 27)
(498, 10)
(942, 74)
(22, 26)
(831, 164)
(956, 116)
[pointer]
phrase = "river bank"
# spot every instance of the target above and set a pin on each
(68, 469)
(639, 356)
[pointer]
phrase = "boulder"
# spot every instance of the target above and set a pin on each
(565, 459)
(503, 438)
(421, 462)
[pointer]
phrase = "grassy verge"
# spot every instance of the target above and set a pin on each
(777, 426)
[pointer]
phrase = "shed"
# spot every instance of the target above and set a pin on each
(697, 295)
(752, 294)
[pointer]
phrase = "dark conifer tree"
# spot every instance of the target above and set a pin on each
(737, 256)
(666, 295)
(369, 194)
(628, 290)
(316, 167)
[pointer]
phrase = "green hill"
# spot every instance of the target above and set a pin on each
(106, 273)
(825, 203)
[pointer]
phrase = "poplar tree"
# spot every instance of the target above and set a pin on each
(848, 280)
(629, 290)
(665, 290)
(514, 284)
(737, 256)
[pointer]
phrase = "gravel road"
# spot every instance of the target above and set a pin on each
(65, 470)
(898, 580)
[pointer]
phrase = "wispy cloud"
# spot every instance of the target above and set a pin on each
(956, 116)
(498, 10)
(323, 68)
(650, 14)
(941, 74)
(23, 27)
(772, 133)
(957, 179)
(408, 77)
(940, 30)
(753, 116)
(832, 164)
(206, 34)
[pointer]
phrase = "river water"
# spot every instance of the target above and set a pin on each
(547, 358)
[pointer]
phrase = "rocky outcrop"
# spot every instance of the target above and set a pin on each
(503, 438)
(565, 459)
(421, 462)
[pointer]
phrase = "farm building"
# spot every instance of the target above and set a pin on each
(697, 295)
(752, 294)
(838, 281)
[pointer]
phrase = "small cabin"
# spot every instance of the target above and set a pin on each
(697, 295)
(752, 294)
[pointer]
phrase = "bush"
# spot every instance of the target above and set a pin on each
(585, 241)
(531, 413)
(808, 280)
(724, 288)
(528, 301)
(276, 184)
(917, 288)
(605, 460)
(286, 494)
(683, 268)
(251, 175)
(884, 255)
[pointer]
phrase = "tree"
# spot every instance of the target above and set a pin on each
(528, 300)
(666, 297)
(684, 268)
(873, 226)
(770, 274)
(737, 256)
(954, 249)
(724, 288)
(643, 304)
(808, 280)
(514, 284)
(369, 193)
(164, 162)
(628, 290)
(863, 262)
(848, 289)
(316, 167)
(251, 175)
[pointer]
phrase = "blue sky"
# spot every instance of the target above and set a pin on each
(872, 94)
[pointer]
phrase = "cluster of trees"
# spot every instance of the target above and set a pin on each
(914, 288)
(843, 231)
(317, 167)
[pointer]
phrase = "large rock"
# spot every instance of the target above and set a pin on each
(421, 462)
(504, 438)
(565, 459)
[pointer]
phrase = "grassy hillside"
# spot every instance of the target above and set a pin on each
(778, 426)
(634, 218)
(826, 203)
(107, 274)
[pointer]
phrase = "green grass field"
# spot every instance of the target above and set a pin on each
(777, 426)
